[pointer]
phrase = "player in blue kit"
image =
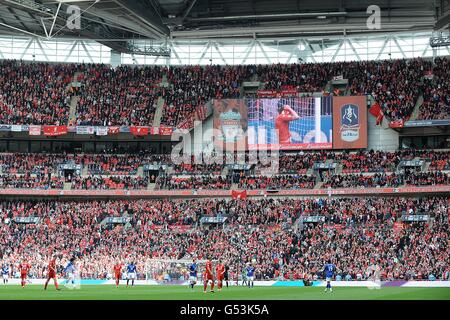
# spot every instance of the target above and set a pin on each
(329, 271)
(193, 274)
(131, 273)
(250, 275)
(5, 273)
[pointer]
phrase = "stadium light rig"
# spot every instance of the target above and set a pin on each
(148, 50)
(440, 40)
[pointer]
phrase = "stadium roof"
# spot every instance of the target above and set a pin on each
(114, 22)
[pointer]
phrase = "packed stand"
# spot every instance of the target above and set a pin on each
(35, 93)
(122, 96)
(436, 95)
(361, 181)
(110, 183)
(356, 231)
(27, 181)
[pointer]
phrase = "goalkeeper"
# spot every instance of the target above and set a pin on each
(244, 276)
(285, 115)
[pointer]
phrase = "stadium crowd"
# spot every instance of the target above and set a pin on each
(436, 95)
(41, 93)
(272, 232)
(125, 95)
(109, 183)
(35, 93)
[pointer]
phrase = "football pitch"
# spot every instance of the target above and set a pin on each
(110, 292)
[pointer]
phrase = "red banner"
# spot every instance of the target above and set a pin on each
(236, 194)
(54, 130)
(201, 112)
(267, 93)
(165, 131)
(396, 124)
(375, 110)
(113, 130)
(289, 92)
(139, 131)
(187, 123)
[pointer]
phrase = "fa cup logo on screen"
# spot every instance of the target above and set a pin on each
(350, 122)
(230, 123)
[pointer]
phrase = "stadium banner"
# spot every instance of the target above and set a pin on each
(187, 123)
(16, 128)
(267, 93)
(239, 194)
(201, 113)
(54, 130)
(396, 124)
(230, 124)
(350, 122)
(101, 131)
(113, 130)
(165, 131)
(124, 129)
(288, 93)
(154, 130)
(5, 127)
(294, 123)
(139, 131)
(34, 130)
(426, 123)
(85, 130)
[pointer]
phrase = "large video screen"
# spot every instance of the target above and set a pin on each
(292, 123)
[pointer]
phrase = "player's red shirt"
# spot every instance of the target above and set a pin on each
(220, 269)
(24, 268)
(209, 268)
(282, 125)
(117, 269)
(52, 266)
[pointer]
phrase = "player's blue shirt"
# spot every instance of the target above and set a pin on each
(5, 270)
(193, 270)
(131, 268)
(250, 271)
(329, 270)
(70, 268)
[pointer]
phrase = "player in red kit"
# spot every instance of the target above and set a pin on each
(24, 268)
(220, 271)
(51, 274)
(208, 276)
(117, 273)
(285, 115)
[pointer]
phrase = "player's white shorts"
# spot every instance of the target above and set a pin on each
(71, 276)
(327, 279)
(193, 278)
(131, 275)
(250, 278)
(5, 276)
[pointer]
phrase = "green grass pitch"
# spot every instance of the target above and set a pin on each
(110, 292)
